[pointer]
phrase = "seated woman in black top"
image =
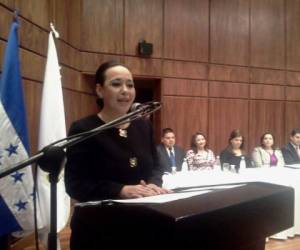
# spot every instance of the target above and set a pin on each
(118, 163)
(235, 150)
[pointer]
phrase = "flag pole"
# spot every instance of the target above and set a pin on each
(56, 34)
(52, 163)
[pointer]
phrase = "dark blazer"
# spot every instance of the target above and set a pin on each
(164, 159)
(227, 156)
(290, 154)
(99, 167)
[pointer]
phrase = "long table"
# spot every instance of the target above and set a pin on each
(282, 176)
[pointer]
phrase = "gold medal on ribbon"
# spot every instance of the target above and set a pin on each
(133, 162)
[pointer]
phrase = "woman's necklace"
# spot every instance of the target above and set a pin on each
(123, 132)
(122, 129)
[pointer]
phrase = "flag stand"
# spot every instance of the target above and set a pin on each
(51, 159)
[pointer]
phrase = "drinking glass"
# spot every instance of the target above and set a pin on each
(226, 167)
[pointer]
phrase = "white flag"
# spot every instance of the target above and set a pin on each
(52, 128)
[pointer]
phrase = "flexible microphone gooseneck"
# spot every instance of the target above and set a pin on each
(140, 110)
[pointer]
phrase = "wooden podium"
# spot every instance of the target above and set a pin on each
(230, 219)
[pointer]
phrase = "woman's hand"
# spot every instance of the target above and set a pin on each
(156, 189)
(136, 191)
(141, 190)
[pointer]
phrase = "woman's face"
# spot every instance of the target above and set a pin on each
(236, 142)
(117, 92)
(268, 141)
(200, 141)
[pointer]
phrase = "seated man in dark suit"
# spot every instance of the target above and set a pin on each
(291, 151)
(169, 154)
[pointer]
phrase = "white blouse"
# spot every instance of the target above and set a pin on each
(201, 160)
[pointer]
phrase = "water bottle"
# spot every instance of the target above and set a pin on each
(184, 167)
(173, 170)
(242, 165)
(217, 164)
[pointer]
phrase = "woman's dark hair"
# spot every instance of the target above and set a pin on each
(194, 144)
(236, 133)
(100, 76)
(100, 73)
(262, 140)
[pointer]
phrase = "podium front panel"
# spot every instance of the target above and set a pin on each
(233, 219)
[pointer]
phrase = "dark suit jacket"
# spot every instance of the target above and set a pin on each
(227, 156)
(164, 159)
(290, 154)
(99, 167)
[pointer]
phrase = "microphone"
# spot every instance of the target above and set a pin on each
(135, 106)
(144, 109)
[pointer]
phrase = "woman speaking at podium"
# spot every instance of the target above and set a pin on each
(120, 162)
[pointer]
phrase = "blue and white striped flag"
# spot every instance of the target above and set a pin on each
(16, 190)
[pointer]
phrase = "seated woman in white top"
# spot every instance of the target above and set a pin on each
(199, 157)
(267, 155)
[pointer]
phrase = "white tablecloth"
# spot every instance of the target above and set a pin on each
(282, 176)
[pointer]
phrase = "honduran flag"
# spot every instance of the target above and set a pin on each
(16, 189)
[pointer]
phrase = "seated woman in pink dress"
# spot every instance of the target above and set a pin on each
(199, 157)
(267, 154)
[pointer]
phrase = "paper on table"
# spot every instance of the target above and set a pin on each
(211, 188)
(151, 199)
(163, 198)
(293, 166)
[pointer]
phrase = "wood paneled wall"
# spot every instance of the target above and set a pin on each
(35, 17)
(222, 64)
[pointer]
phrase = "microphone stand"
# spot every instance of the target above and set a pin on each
(51, 159)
